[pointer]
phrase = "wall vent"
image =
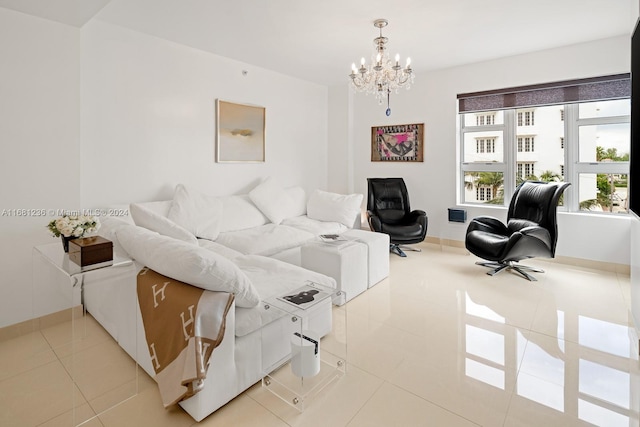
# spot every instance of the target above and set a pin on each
(457, 215)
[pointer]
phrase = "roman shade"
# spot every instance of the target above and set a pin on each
(617, 86)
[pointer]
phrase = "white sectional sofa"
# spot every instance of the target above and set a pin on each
(249, 245)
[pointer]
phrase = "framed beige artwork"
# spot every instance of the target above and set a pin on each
(240, 132)
(397, 143)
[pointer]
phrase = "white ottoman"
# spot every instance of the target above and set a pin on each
(345, 261)
(378, 253)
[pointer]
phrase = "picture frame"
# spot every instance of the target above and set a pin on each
(397, 143)
(240, 132)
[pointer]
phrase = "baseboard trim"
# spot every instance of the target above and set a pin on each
(611, 267)
(29, 326)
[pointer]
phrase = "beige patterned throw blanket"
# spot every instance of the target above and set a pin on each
(183, 324)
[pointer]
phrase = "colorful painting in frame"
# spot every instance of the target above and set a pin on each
(240, 136)
(397, 143)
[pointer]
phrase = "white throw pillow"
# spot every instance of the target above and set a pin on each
(146, 218)
(342, 208)
(187, 263)
(239, 213)
(161, 208)
(197, 212)
(272, 200)
(299, 198)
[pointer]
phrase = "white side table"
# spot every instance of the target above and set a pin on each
(58, 287)
(346, 261)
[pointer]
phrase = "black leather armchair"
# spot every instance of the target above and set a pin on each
(531, 230)
(389, 212)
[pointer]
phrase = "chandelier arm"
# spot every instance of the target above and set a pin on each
(402, 82)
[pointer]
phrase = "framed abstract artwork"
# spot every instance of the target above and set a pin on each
(397, 143)
(240, 132)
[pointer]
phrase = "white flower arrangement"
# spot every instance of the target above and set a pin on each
(73, 225)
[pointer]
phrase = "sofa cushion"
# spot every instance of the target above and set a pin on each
(219, 249)
(342, 208)
(264, 240)
(146, 216)
(239, 213)
(197, 212)
(315, 227)
(272, 200)
(271, 278)
(188, 263)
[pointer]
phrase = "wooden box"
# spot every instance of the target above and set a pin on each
(91, 250)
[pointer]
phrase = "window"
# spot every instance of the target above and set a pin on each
(526, 171)
(525, 118)
(525, 144)
(483, 194)
(485, 119)
(591, 120)
(486, 145)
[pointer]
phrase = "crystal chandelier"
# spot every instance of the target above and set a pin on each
(383, 75)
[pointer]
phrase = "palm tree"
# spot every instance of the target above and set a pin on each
(603, 197)
(469, 185)
(495, 180)
(549, 176)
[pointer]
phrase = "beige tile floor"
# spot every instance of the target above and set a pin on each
(438, 343)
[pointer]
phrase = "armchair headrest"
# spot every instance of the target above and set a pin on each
(388, 193)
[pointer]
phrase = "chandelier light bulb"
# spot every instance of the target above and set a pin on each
(397, 58)
(362, 61)
(408, 62)
(353, 67)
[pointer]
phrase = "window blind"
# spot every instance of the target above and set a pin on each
(617, 86)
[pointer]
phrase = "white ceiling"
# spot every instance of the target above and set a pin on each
(318, 40)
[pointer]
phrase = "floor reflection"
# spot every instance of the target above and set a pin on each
(594, 379)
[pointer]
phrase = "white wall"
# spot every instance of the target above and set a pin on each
(39, 136)
(432, 101)
(104, 116)
(148, 120)
(340, 150)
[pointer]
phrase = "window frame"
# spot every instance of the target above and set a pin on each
(573, 166)
(508, 155)
(509, 101)
(509, 166)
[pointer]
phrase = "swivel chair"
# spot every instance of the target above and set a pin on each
(531, 230)
(389, 212)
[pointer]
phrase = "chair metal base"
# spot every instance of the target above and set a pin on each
(510, 265)
(397, 249)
